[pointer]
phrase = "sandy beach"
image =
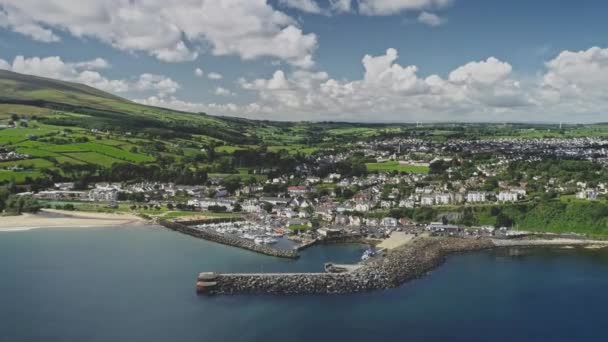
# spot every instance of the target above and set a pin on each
(50, 218)
(397, 239)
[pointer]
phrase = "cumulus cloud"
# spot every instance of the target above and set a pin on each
(309, 6)
(170, 30)
(97, 63)
(55, 67)
(198, 72)
(161, 84)
(571, 88)
(231, 109)
(487, 72)
(389, 91)
(390, 7)
(85, 72)
(19, 23)
(4, 65)
(215, 76)
(430, 19)
(219, 91)
(575, 82)
(340, 6)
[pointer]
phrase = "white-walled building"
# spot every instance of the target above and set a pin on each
(508, 196)
(476, 197)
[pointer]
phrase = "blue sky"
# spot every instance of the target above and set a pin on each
(429, 60)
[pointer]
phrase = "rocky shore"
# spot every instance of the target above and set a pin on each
(228, 240)
(392, 269)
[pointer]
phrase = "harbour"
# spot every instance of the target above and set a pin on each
(156, 302)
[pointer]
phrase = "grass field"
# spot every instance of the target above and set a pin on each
(27, 164)
(395, 166)
(94, 158)
(294, 149)
(18, 176)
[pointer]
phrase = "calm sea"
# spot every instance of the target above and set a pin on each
(137, 284)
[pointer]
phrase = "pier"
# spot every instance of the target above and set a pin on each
(394, 268)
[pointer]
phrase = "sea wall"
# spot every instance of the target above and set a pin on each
(394, 268)
(228, 240)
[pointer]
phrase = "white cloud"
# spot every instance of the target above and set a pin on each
(198, 72)
(18, 22)
(4, 65)
(215, 76)
(575, 83)
(250, 110)
(570, 89)
(389, 91)
(170, 30)
(219, 91)
(309, 6)
(94, 79)
(55, 67)
(578, 72)
(97, 63)
(340, 6)
(389, 7)
(488, 71)
(84, 72)
(161, 84)
(430, 19)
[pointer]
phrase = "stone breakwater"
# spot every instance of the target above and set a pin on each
(229, 240)
(393, 269)
(548, 242)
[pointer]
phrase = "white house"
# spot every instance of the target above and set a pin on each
(476, 197)
(427, 200)
(363, 207)
(590, 194)
(444, 198)
(407, 203)
(389, 222)
(508, 196)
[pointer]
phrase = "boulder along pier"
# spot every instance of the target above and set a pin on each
(391, 269)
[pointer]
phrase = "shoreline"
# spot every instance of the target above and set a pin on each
(53, 219)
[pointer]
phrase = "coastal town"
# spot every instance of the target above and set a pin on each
(369, 188)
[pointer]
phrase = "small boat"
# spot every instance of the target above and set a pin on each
(368, 254)
(258, 240)
(270, 240)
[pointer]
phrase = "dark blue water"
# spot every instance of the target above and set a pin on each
(137, 284)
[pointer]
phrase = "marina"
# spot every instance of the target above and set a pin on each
(259, 234)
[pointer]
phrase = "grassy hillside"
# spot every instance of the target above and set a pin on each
(69, 131)
(70, 104)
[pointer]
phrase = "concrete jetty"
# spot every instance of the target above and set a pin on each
(394, 268)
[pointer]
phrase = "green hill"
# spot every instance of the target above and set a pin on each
(67, 131)
(72, 104)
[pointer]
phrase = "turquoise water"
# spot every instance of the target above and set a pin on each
(137, 284)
